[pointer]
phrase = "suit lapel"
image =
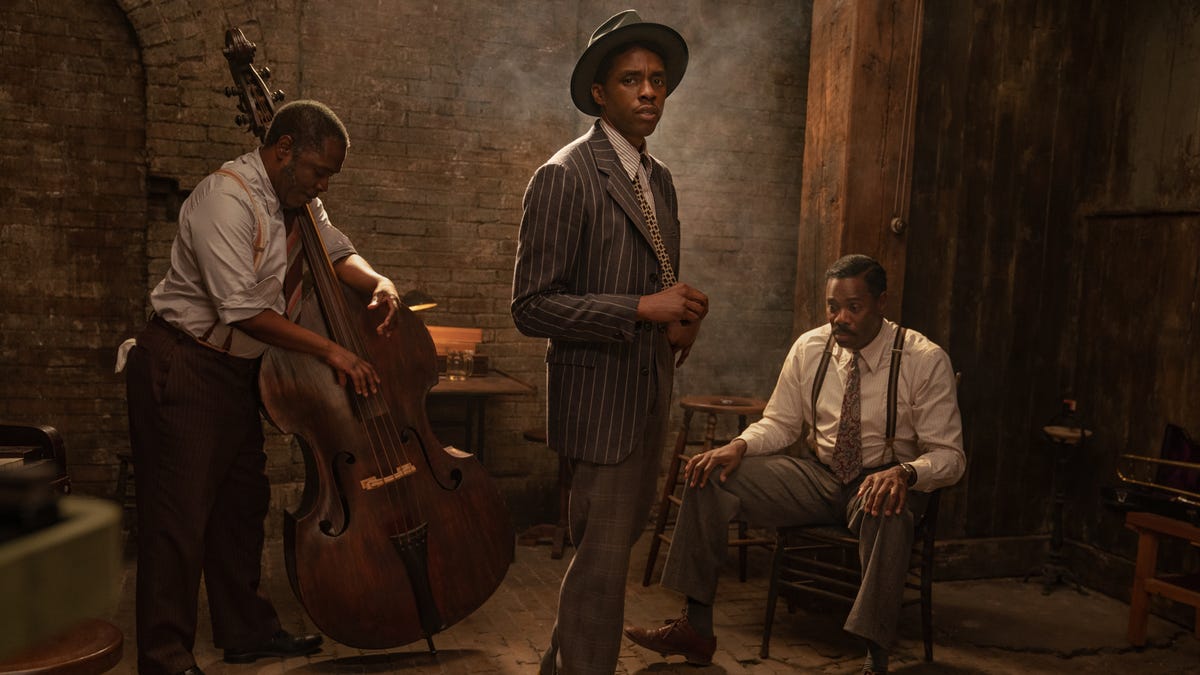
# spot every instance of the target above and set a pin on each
(615, 181)
(667, 226)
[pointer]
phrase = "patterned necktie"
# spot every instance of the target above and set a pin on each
(293, 287)
(847, 451)
(660, 250)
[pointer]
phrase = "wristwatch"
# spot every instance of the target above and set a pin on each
(910, 472)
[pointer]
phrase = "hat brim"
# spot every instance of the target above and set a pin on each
(670, 43)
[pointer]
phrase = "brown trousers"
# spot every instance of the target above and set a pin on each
(778, 490)
(608, 512)
(202, 497)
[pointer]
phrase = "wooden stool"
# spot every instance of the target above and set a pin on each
(89, 647)
(712, 406)
(1183, 588)
(557, 534)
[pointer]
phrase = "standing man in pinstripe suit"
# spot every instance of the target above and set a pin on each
(595, 273)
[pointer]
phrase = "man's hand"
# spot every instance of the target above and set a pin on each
(357, 273)
(700, 466)
(347, 365)
(885, 491)
(682, 336)
(385, 294)
(272, 328)
(677, 303)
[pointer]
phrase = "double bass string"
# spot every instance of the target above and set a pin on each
(477, 563)
(348, 336)
(345, 335)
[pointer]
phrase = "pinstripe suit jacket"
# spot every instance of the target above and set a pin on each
(584, 258)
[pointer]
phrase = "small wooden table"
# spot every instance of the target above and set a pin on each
(1183, 588)
(473, 393)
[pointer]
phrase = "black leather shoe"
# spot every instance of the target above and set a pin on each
(194, 670)
(281, 645)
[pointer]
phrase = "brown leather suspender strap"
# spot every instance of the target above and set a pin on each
(893, 386)
(822, 368)
(259, 245)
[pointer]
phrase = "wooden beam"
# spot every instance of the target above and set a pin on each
(864, 60)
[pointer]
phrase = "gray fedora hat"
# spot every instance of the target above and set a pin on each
(621, 29)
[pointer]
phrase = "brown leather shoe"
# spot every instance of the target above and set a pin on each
(677, 637)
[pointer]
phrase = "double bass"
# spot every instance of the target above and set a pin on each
(395, 538)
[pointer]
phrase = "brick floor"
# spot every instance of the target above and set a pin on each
(976, 631)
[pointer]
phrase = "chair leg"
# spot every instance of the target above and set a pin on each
(664, 503)
(119, 494)
(561, 529)
(927, 599)
(772, 597)
(128, 507)
(1147, 555)
(742, 551)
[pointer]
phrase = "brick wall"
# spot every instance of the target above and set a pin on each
(72, 216)
(450, 108)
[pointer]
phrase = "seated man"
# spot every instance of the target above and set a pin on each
(858, 478)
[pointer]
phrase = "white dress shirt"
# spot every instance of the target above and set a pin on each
(928, 425)
(216, 278)
(631, 159)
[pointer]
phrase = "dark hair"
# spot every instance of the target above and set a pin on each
(309, 123)
(856, 264)
(605, 67)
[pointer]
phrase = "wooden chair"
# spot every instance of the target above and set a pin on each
(802, 564)
(1184, 588)
(712, 406)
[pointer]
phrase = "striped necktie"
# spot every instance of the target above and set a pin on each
(293, 286)
(847, 451)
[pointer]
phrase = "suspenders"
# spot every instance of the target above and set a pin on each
(893, 386)
(259, 247)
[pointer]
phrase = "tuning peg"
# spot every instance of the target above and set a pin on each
(277, 96)
(241, 120)
(265, 72)
(230, 92)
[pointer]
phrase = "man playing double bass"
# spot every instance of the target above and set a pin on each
(192, 382)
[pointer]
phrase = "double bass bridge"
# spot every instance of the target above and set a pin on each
(375, 482)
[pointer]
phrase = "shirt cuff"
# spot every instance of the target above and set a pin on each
(250, 302)
(753, 445)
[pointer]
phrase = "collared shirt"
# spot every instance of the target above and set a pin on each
(635, 162)
(928, 425)
(217, 277)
